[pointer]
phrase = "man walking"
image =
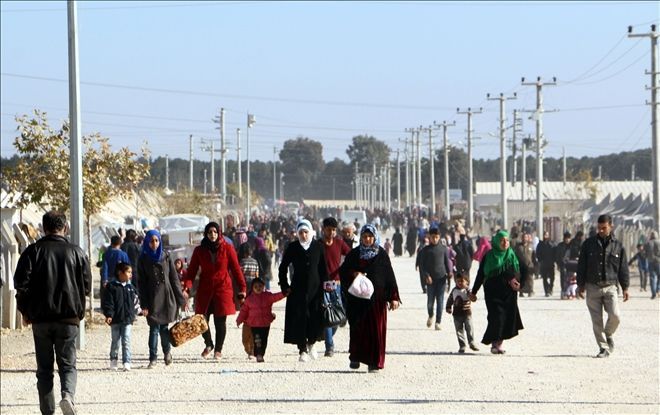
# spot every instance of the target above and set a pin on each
(652, 249)
(435, 268)
(601, 265)
(545, 253)
(52, 279)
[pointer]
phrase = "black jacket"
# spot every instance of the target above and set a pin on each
(601, 262)
(120, 302)
(52, 279)
(434, 262)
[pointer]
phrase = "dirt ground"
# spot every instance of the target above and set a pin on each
(549, 368)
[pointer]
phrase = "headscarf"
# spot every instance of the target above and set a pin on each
(206, 242)
(499, 260)
(241, 236)
(306, 225)
(368, 252)
(156, 255)
(259, 244)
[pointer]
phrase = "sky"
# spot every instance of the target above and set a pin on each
(161, 71)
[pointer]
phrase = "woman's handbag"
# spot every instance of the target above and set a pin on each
(333, 310)
(187, 329)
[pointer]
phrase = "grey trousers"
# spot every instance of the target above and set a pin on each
(459, 323)
(599, 298)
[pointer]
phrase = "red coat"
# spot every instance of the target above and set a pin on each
(215, 282)
(257, 311)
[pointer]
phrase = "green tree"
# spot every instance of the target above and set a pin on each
(302, 162)
(368, 151)
(42, 174)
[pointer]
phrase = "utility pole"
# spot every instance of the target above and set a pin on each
(190, 140)
(431, 169)
(655, 163)
(444, 126)
(167, 172)
(517, 128)
(563, 164)
(212, 166)
(469, 113)
(250, 122)
(238, 162)
(413, 177)
(223, 158)
(274, 177)
(398, 181)
(205, 181)
(526, 143)
(407, 172)
(538, 116)
(76, 150)
(419, 169)
(503, 202)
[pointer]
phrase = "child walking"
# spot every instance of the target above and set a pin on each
(120, 306)
(257, 312)
(459, 305)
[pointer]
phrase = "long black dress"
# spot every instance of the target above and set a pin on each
(302, 321)
(502, 304)
(397, 241)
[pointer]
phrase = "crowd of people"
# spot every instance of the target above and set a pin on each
(316, 260)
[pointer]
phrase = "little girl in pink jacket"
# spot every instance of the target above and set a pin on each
(257, 312)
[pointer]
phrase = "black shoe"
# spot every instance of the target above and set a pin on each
(168, 359)
(373, 369)
(603, 354)
(354, 365)
(329, 353)
(610, 344)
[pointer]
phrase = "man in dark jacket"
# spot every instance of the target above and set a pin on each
(545, 253)
(52, 279)
(652, 249)
(435, 267)
(561, 256)
(464, 254)
(602, 264)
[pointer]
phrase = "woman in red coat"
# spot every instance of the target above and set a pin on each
(220, 270)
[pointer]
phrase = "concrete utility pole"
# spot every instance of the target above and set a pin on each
(503, 192)
(190, 143)
(250, 122)
(238, 162)
(398, 181)
(420, 199)
(469, 113)
(526, 143)
(517, 128)
(167, 172)
(444, 126)
(431, 169)
(563, 165)
(538, 115)
(75, 149)
(655, 163)
(223, 158)
(274, 176)
(205, 181)
(212, 166)
(413, 177)
(407, 172)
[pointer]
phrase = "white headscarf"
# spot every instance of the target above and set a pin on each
(304, 224)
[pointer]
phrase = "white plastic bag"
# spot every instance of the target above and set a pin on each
(362, 287)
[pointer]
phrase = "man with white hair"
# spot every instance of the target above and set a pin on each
(348, 234)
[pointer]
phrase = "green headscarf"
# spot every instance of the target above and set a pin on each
(499, 260)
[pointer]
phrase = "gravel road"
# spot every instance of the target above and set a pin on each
(548, 368)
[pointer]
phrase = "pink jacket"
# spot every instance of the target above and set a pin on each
(257, 310)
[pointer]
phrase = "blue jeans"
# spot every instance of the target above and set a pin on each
(154, 331)
(62, 338)
(435, 293)
(654, 278)
(330, 331)
(123, 332)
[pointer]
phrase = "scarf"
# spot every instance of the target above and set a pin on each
(206, 242)
(156, 255)
(498, 260)
(304, 224)
(368, 252)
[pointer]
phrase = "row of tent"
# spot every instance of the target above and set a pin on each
(629, 211)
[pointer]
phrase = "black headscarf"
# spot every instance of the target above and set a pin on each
(206, 242)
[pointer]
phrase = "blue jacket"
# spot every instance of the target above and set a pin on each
(111, 258)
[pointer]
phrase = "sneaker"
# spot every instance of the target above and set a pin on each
(474, 347)
(260, 359)
(329, 353)
(461, 350)
(67, 406)
(437, 326)
(113, 364)
(207, 351)
(168, 359)
(602, 354)
(127, 367)
(312, 353)
(610, 343)
(304, 357)
(152, 364)
(217, 356)
(373, 369)
(354, 365)
(429, 321)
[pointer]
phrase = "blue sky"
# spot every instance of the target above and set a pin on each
(161, 71)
